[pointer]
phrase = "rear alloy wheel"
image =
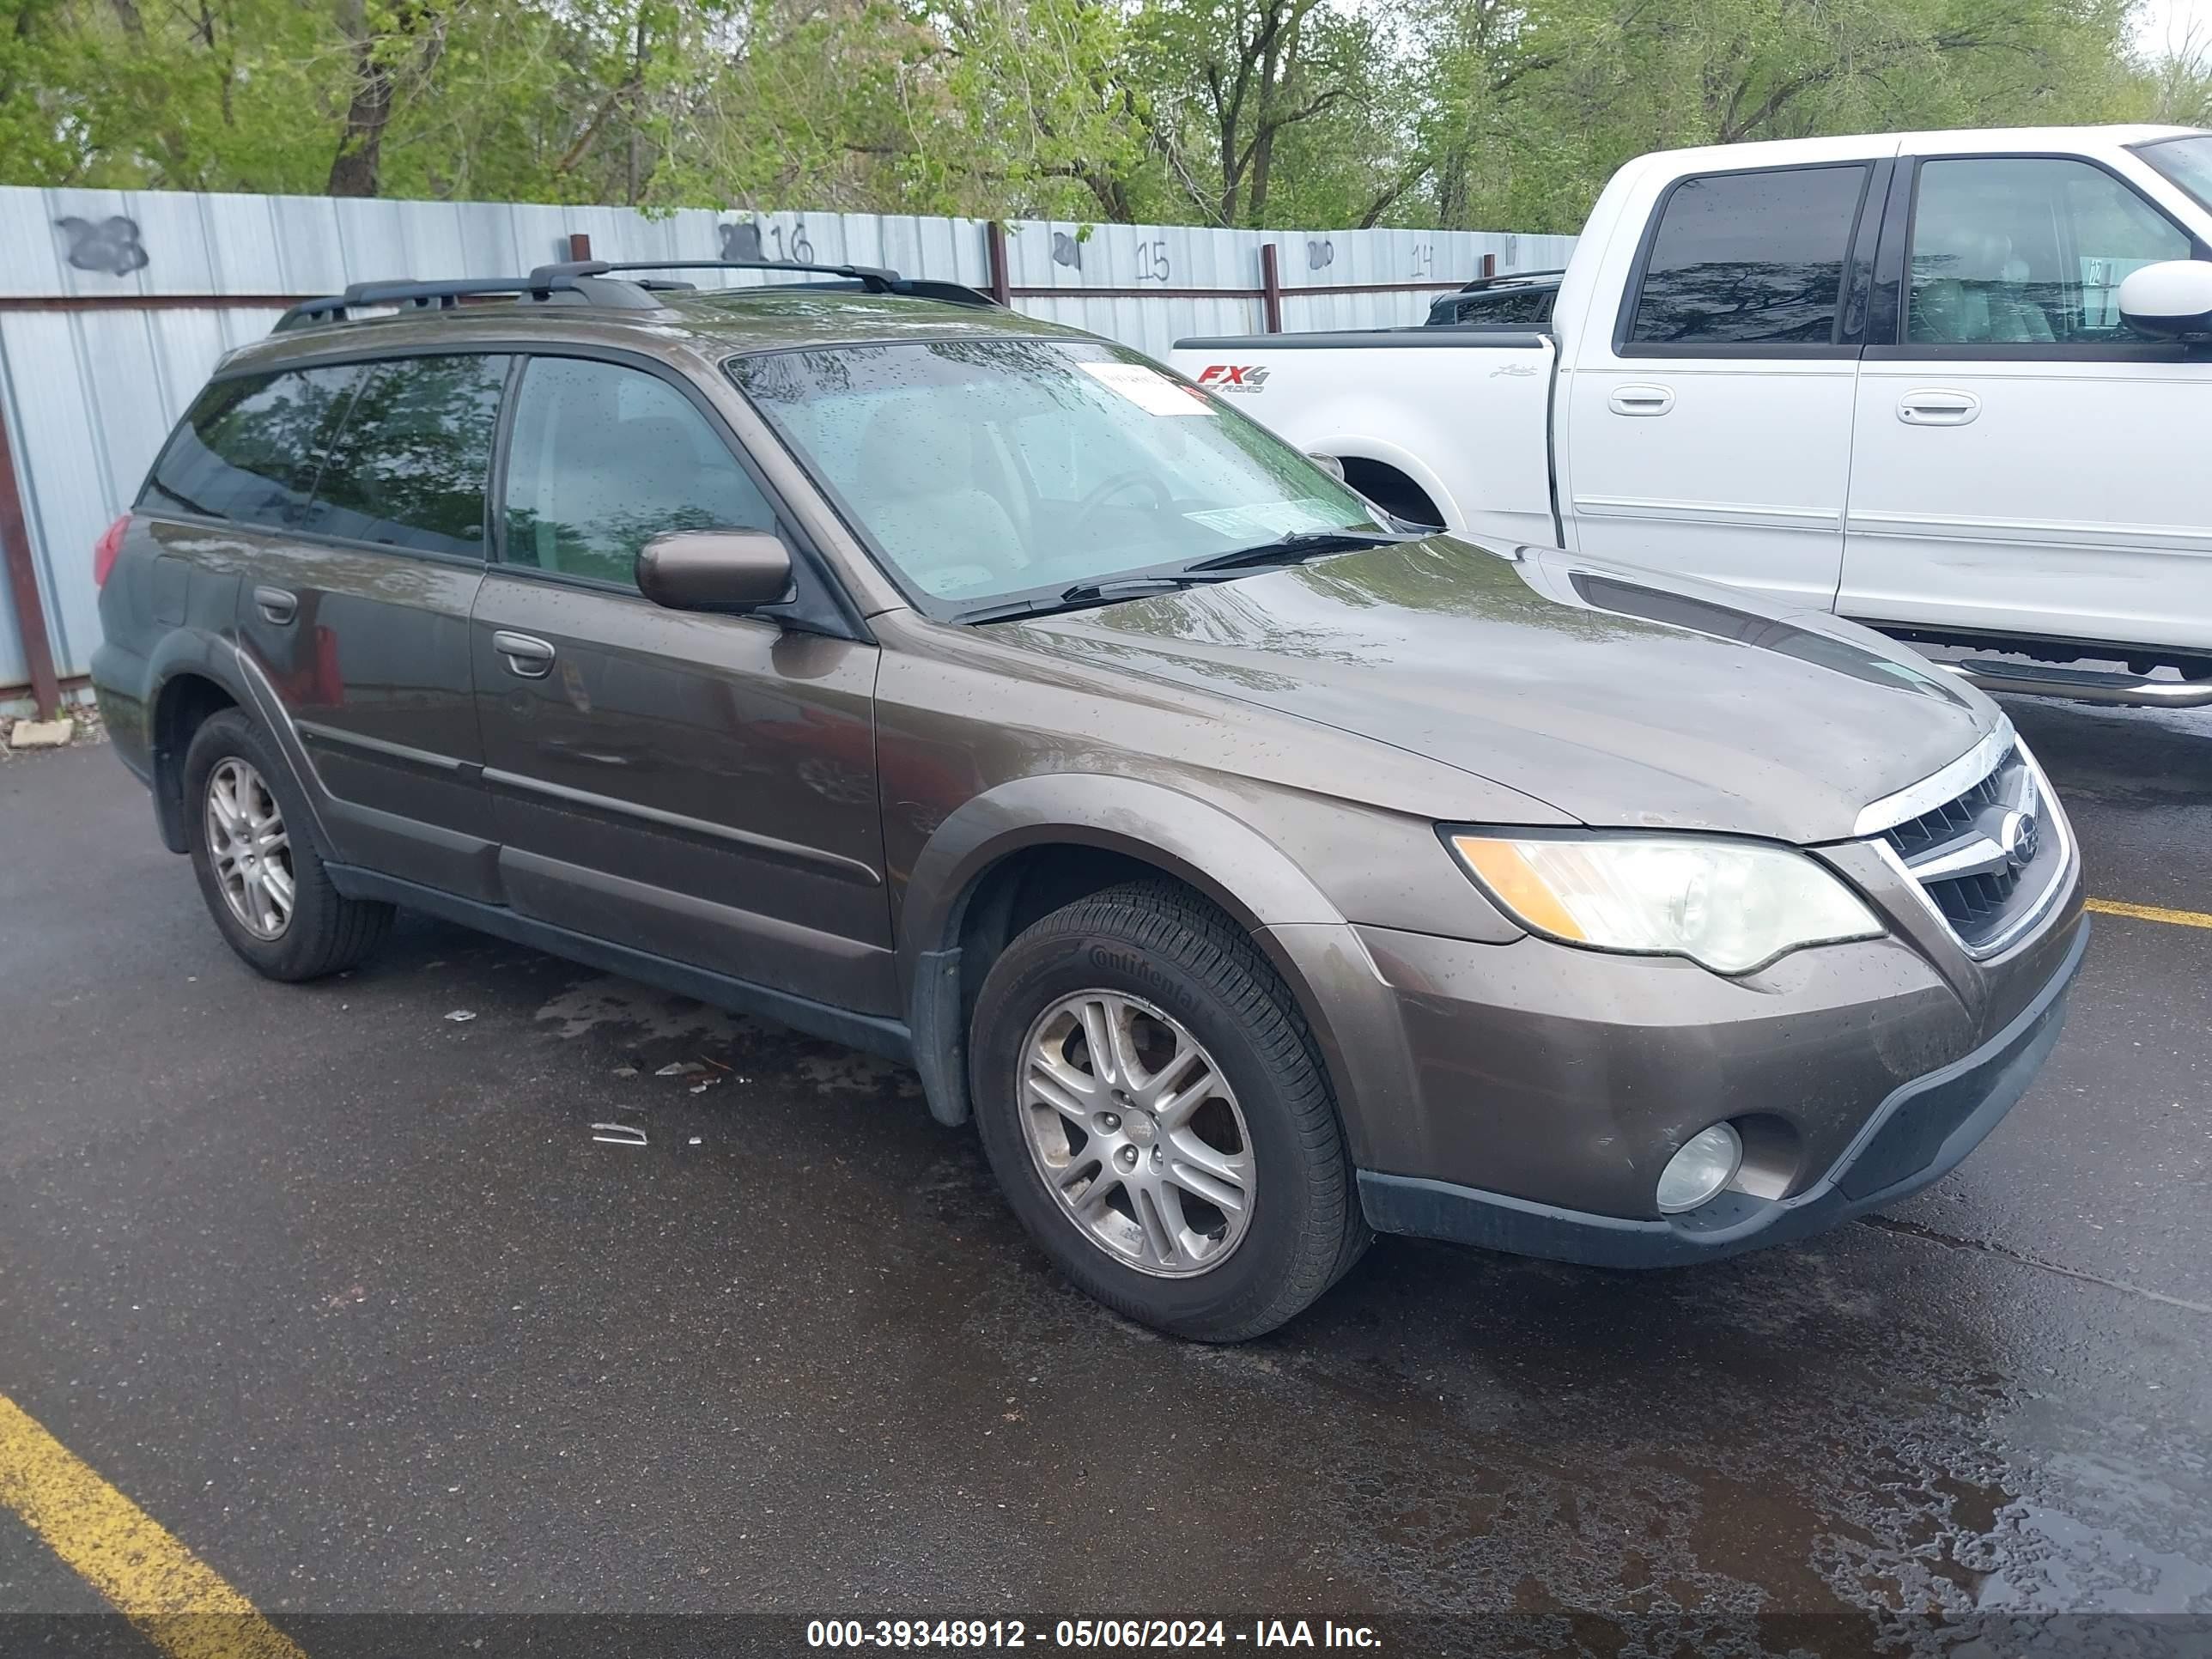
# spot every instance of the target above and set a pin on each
(1156, 1112)
(260, 871)
(249, 848)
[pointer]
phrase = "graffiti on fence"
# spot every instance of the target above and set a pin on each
(1320, 253)
(109, 247)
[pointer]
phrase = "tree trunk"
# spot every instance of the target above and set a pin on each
(361, 143)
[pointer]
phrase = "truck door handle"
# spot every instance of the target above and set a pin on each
(1936, 407)
(277, 605)
(530, 657)
(1641, 400)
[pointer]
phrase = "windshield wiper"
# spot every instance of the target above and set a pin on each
(1084, 594)
(1296, 545)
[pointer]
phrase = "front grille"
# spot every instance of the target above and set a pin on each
(1987, 858)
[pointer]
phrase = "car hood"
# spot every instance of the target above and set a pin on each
(1616, 695)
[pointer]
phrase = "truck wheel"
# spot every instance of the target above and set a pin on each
(258, 867)
(1151, 1104)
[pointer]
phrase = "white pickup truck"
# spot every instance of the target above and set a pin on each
(1957, 385)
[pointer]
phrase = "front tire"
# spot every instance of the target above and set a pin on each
(1153, 1104)
(258, 867)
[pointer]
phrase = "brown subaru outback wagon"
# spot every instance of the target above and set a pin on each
(1256, 873)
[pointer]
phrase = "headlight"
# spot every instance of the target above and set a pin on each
(1730, 905)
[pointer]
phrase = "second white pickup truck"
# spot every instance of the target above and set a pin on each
(1953, 384)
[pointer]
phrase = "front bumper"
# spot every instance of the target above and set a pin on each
(1921, 1130)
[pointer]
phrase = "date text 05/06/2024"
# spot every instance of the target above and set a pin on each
(1123, 1634)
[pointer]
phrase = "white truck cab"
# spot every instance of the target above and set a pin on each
(1954, 384)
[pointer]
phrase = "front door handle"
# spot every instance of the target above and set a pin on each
(273, 603)
(1641, 400)
(1936, 406)
(531, 657)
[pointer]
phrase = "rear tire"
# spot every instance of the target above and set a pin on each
(1200, 1009)
(259, 868)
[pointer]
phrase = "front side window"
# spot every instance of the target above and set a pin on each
(248, 449)
(602, 459)
(1749, 259)
(2027, 250)
(984, 468)
(409, 468)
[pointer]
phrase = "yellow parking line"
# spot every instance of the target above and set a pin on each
(2152, 913)
(173, 1597)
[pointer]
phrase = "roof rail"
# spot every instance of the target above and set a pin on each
(410, 295)
(1482, 282)
(875, 278)
(600, 282)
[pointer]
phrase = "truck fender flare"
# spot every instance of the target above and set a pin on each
(1358, 446)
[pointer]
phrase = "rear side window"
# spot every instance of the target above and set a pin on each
(602, 459)
(409, 468)
(248, 449)
(1749, 259)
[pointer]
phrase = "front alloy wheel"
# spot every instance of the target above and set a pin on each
(1157, 1113)
(249, 848)
(1136, 1134)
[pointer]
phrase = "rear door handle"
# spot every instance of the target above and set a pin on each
(273, 603)
(1641, 400)
(530, 657)
(1934, 406)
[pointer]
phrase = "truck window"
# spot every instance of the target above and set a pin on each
(2028, 250)
(408, 468)
(248, 448)
(1748, 258)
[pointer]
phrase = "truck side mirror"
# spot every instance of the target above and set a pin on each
(2169, 301)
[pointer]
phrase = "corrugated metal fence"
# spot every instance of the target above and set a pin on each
(114, 306)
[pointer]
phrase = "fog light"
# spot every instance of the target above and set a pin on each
(1706, 1164)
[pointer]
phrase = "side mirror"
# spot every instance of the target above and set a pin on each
(2169, 301)
(715, 570)
(1329, 464)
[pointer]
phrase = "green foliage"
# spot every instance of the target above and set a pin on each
(1494, 113)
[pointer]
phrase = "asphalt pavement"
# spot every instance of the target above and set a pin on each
(342, 1290)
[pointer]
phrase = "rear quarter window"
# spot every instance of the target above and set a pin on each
(249, 448)
(410, 467)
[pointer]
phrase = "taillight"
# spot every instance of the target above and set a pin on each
(105, 550)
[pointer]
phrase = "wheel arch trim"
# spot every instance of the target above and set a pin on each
(190, 652)
(1290, 921)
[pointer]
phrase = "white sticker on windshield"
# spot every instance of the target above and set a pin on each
(1272, 518)
(1147, 388)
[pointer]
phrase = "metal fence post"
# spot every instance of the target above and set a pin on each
(995, 249)
(580, 245)
(23, 579)
(1271, 287)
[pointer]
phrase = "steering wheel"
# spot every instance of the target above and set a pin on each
(1095, 499)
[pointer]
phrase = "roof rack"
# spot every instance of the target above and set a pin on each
(599, 282)
(875, 278)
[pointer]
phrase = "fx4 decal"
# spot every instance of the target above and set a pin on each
(1233, 377)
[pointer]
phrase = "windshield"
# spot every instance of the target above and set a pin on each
(983, 470)
(2186, 162)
